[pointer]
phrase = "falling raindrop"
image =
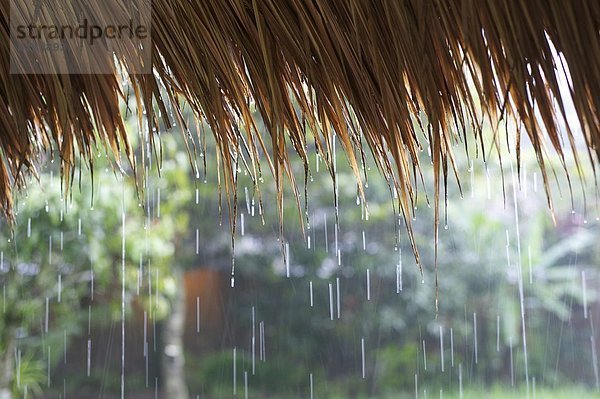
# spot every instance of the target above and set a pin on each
(92, 285)
(368, 285)
(331, 301)
(337, 291)
(262, 346)
(335, 237)
(584, 293)
(318, 157)
(594, 355)
(287, 259)
(197, 314)
(325, 229)
(89, 356)
(460, 381)
(398, 278)
(123, 233)
(497, 333)
(247, 199)
(523, 331)
(146, 354)
(451, 347)
(416, 386)
(424, 356)
(362, 357)
(232, 272)
(520, 277)
(475, 335)
(47, 313)
(234, 371)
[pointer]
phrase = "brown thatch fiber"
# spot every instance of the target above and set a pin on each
(362, 70)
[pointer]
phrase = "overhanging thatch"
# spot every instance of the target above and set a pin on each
(365, 70)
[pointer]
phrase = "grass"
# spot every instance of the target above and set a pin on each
(503, 392)
(495, 392)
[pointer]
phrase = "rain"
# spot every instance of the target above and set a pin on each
(360, 251)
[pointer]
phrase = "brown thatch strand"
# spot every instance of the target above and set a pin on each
(363, 71)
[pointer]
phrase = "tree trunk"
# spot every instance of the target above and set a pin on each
(173, 361)
(7, 366)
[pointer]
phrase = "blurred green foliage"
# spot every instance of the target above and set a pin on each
(484, 260)
(62, 260)
(481, 268)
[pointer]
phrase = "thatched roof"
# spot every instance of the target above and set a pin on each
(362, 70)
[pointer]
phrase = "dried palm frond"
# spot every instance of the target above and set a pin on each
(363, 71)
